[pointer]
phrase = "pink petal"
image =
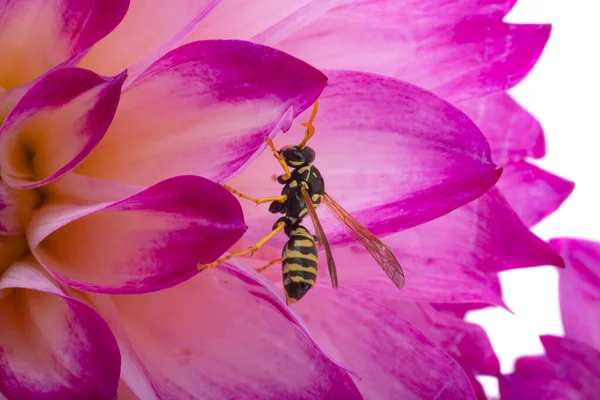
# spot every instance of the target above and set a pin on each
(460, 309)
(174, 41)
(83, 189)
(532, 192)
(147, 27)
(429, 277)
(512, 131)
(240, 19)
(393, 155)
(35, 36)
(149, 241)
(56, 125)
(449, 259)
(485, 233)
(570, 371)
(465, 342)
(239, 342)
(459, 50)
(203, 109)
(392, 358)
(56, 347)
(579, 289)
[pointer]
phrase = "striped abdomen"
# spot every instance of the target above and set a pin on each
(299, 262)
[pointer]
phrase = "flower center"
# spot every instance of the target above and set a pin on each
(16, 209)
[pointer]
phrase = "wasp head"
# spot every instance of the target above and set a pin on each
(296, 157)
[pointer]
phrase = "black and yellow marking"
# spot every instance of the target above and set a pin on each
(300, 255)
(299, 264)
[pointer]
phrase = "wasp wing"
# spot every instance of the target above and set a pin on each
(321, 237)
(380, 252)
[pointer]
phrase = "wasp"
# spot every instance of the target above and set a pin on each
(302, 193)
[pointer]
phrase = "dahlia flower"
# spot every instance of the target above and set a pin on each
(570, 369)
(118, 120)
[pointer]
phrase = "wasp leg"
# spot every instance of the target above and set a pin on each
(239, 194)
(287, 174)
(282, 198)
(310, 128)
(261, 269)
(250, 251)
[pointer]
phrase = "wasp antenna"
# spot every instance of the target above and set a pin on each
(313, 114)
(310, 128)
(310, 131)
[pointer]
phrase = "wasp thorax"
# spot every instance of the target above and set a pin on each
(296, 157)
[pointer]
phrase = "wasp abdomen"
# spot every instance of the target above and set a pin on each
(299, 264)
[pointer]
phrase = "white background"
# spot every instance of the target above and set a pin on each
(563, 92)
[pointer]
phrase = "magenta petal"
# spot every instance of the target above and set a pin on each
(393, 359)
(570, 371)
(579, 289)
(465, 342)
(512, 131)
(507, 52)
(204, 108)
(429, 276)
(458, 50)
(55, 347)
(37, 35)
(149, 241)
(460, 309)
(532, 192)
(222, 336)
(485, 233)
(56, 124)
(393, 155)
